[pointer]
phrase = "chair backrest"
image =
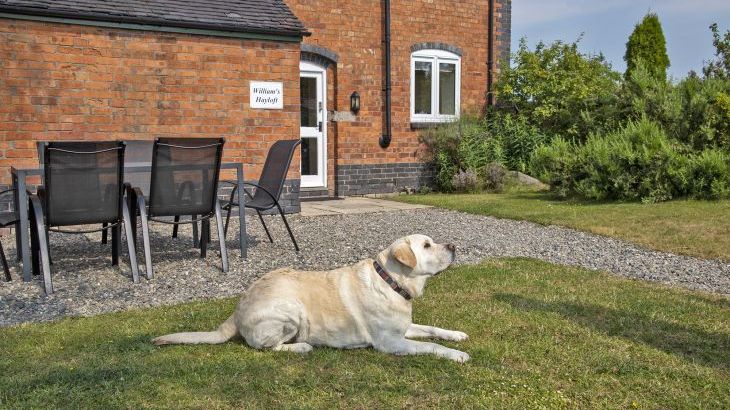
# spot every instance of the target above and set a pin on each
(273, 175)
(184, 176)
(83, 182)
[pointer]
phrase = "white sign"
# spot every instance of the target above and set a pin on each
(267, 95)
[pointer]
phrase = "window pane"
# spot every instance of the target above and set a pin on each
(422, 80)
(447, 89)
(309, 156)
(308, 101)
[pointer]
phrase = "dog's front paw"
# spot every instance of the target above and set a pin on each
(459, 357)
(160, 341)
(457, 336)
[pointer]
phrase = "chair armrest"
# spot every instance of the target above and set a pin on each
(257, 186)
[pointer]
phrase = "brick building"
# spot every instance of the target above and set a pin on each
(131, 70)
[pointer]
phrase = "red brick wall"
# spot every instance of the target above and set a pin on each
(66, 82)
(353, 30)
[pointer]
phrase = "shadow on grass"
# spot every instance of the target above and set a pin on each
(695, 345)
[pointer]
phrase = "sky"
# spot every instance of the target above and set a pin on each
(607, 24)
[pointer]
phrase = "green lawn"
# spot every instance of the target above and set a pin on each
(696, 228)
(541, 336)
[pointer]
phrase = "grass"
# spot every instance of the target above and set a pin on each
(541, 335)
(695, 228)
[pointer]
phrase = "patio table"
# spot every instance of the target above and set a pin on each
(20, 175)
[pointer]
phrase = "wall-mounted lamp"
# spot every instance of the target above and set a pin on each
(355, 102)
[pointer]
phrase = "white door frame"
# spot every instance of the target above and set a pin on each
(310, 70)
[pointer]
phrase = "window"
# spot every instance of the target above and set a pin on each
(435, 86)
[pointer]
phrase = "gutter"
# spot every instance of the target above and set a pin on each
(150, 24)
(386, 138)
(490, 57)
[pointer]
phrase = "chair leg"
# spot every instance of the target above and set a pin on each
(221, 236)
(42, 243)
(145, 236)
(228, 220)
(48, 240)
(286, 223)
(35, 268)
(174, 227)
(132, 206)
(261, 218)
(5, 264)
(130, 242)
(103, 233)
(116, 240)
(196, 243)
(204, 228)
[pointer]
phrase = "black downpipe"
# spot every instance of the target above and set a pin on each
(387, 136)
(490, 57)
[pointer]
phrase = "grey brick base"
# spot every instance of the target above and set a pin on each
(382, 178)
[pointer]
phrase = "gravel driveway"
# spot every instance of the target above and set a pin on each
(86, 284)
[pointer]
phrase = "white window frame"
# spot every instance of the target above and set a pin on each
(435, 57)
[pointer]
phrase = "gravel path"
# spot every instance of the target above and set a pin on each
(86, 284)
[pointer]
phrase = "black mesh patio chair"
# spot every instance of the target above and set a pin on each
(7, 218)
(268, 189)
(183, 181)
(82, 185)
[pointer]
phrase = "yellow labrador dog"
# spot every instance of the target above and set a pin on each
(365, 304)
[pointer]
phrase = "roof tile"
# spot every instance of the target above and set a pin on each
(251, 16)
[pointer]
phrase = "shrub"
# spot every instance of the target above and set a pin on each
(708, 175)
(459, 146)
(465, 181)
(559, 90)
(553, 164)
(705, 117)
(645, 95)
(513, 140)
(636, 162)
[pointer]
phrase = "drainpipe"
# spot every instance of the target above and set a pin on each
(490, 57)
(387, 136)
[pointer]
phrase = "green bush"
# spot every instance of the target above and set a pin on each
(472, 144)
(704, 120)
(463, 146)
(645, 95)
(513, 140)
(707, 175)
(554, 164)
(636, 162)
(559, 90)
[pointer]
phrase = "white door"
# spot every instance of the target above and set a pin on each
(313, 125)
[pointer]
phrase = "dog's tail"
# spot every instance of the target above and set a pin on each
(225, 332)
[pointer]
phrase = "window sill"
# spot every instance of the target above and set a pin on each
(421, 124)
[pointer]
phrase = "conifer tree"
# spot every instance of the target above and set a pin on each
(648, 45)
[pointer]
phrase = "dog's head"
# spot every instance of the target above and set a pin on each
(419, 255)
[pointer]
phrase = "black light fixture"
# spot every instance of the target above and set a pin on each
(355, 102)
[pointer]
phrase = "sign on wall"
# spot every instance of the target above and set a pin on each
(267, 95)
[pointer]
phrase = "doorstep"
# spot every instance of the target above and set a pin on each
(354, 205)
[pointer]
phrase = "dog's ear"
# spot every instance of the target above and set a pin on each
(404, 254)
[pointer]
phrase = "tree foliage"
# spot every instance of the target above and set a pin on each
(720, 67)
(648, 45)
(558, 89)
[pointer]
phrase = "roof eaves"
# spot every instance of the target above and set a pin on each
(303, 32)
